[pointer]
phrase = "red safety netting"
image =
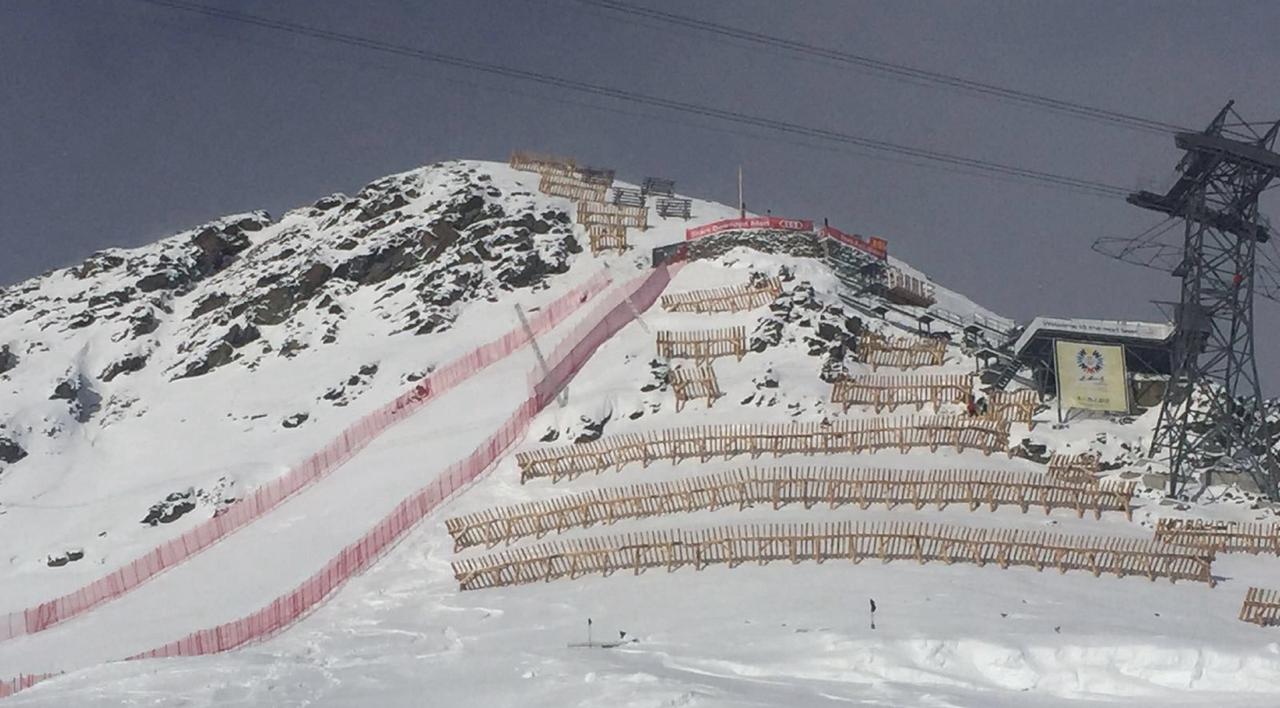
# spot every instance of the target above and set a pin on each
(8, 687)
(614, 312)
(266, 497)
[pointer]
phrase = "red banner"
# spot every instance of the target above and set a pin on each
(874, 246)
(755, 222)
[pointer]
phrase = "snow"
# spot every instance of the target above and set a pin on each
(403, 634)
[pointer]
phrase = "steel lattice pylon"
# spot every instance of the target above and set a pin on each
(1211, 416)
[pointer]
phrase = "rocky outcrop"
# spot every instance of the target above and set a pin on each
(827, 330)
(8, 360)
(10, 450)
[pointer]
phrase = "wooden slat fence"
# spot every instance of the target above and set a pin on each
(703, 346)
(889, 392)
(658, 185)
(853, 541)
(674, 208)
(571, 188)
(604, 238)
(829, 486)
(1014, 406)
(542, 163)
(737, 298)
(1261, 607)
(900, 352)
(1082, 468)
(601, 176)
(625, 196)
(1222, 536)
(689, 382)
(609, 215)
(708, 441)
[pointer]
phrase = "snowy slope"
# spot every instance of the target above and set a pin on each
(403, 634)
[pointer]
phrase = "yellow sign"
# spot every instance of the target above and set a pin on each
(1091, 376)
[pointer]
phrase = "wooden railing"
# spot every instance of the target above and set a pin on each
(1082, 468)
(900, 352)
(889, 392)
(1261, 607)
(732, 299)
(571, 187)
(1014, 406)
(605, 238)
(689, 382)
(734, 545)
(703, 346)
(1222, 536)
(543, 164)
(830, 486)
(708, 441)
(609, 215)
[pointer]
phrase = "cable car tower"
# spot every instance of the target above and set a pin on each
(1211, 415)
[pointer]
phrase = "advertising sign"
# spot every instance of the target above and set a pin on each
(754, 222)
(1091, 376)
(876, 247)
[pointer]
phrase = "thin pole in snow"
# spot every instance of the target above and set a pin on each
(589, 632)
(873, 614)
(742, 205)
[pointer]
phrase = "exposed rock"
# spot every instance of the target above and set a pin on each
(100, 262)
(65, 557)
(145, 324)
(220, 354)
(171, 509)
(10, 450)
(591, 429)
(8, 360)
(295, 420)
(827, 330)
(1035, 452)
(126, 365)
(660, 371)
(238, 335)
(210, 304)
(65, 391)
(157, 281)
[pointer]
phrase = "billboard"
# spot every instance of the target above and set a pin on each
(874, 246)
(1091, 376)
(753, 222)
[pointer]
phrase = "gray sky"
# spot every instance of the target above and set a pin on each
(121, 123)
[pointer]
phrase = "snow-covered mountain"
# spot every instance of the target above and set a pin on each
(145, 391)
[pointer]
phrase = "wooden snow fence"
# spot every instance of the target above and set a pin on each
(900, 352)
(1261, 607)
(1082, 468)
(829, 486)
(543, 164)
(689, 382)
(1221, 536)
(604, 214)
(1014, 406)
(708, 441)
(889, 392)
(852, 541)
(572, 187)
(605, 238)
(703, 346)
(738, 298)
